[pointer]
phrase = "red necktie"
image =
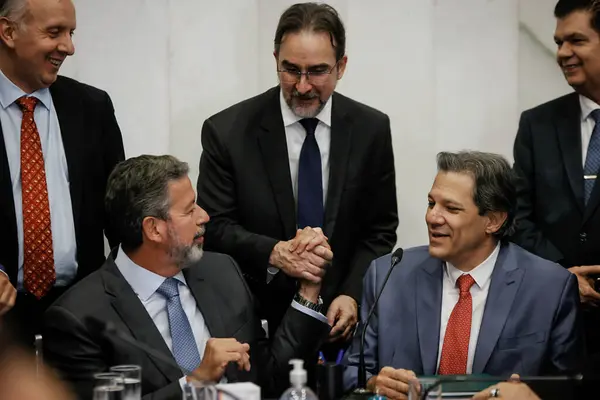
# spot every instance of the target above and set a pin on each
(38, 261)
(455, 349)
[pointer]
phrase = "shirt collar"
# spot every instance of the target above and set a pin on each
(9, 93)
(143, 282)
(481, 273)
(587, 106)
(290, 118)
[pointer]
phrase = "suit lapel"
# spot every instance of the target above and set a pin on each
(70, 113)
(568, 129)
(273, 147)
(339, 151)
(505, 282)
(135, 317)
(208, 303)
(429, 306)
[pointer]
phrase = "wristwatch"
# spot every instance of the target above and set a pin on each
(309, 304)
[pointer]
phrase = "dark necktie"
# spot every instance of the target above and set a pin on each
(310, 181)
(592, 159)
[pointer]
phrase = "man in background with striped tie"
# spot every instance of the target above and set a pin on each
(557, 156)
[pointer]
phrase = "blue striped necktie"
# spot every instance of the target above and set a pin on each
(592, 159)
(185, 349)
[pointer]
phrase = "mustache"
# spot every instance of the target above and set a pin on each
(304, 96)
(199, 233)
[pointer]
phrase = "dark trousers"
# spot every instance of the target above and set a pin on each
(25, 320)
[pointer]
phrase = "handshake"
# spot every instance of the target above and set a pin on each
(304, 257)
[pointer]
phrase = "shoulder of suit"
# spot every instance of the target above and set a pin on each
(553, 105)
(538, 267)
(411, 258)
(249, 108)
(354, 107)
(72, 87)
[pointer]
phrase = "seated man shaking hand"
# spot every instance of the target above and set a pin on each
(159, 287)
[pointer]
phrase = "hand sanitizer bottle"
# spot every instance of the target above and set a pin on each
(298, 389)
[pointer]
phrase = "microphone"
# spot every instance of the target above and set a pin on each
(109, 329)
(362, 372)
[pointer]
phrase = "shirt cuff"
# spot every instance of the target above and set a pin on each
(309, 312)
(182, 382)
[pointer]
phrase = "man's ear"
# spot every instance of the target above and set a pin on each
(154, 229)
(495, 221)
(8, 32)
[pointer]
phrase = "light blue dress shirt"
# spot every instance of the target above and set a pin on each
(145, 283)
(57, 175)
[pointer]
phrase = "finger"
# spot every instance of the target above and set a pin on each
(7, 299)
(348, 331)
(395, 385)
(313, 269)
(514, 378)
(310, 277)
(588, 270)
(303, 241)
(317, 240)
(244, 362)
(292, 242)
(484, 394)
(391, 394)
(314, 259)
(590, 293)
(333, 312)
(323, 252)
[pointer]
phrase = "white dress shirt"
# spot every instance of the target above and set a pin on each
(57, 175)
(295, 135)
(587, 124)
(479, 291)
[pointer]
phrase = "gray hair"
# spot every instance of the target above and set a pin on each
(14, 10)
(495, 183)
(138, 188)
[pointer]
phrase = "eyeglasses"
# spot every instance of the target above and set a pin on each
(294, 75)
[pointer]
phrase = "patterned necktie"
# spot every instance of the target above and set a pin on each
(310, 179)
(185, 349)
(38, 254)
(455, 349)
(592, 159)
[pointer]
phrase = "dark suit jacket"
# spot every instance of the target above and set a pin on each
(552, 219)
(93, 146)
(73, 345)
(530, 323)
(245, 186)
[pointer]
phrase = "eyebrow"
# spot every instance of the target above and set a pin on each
(570, 36)
(286, 63)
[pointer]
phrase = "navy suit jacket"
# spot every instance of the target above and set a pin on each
(530, 322)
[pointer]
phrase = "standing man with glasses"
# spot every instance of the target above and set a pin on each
(300, 166)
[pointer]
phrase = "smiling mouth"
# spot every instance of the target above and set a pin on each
(55, 61)
(570, 67)
(438, 235)
(199, 234)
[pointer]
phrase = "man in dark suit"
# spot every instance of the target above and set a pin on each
(59, 141)
(469, 302)
(557, 155)
(301, 159)
(160, 287)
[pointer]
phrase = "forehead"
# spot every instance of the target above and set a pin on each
(52, 12)
(453, 186)
(307, 48)
(576, 22)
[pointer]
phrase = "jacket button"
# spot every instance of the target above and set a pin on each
(583, 236)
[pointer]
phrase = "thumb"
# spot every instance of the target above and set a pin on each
(332, 313)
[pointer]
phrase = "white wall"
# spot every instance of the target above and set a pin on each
(451, 74)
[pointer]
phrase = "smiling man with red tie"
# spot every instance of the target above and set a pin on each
(469, 303)
(59, 141)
